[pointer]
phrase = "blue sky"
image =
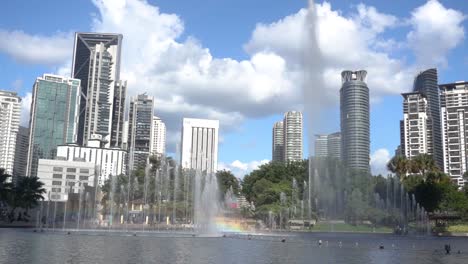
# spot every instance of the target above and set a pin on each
(181, 53)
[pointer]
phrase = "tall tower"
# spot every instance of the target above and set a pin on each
(454, 108)
(158, 137)
(334, 145)
(140, 124)
(278, 142)
(416, 128)
(426, 84)
(292, 124)
(21, 152)
(10, 111)
(118, 114)
(200, 144)
(53, 118)
(355, 124)
(96, 62)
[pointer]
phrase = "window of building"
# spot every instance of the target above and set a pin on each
(57, 176)
(70, 177)
(83, 178)
(58, 169)
(84, 170)
(56, 183)
(71, 169)
(56, 189)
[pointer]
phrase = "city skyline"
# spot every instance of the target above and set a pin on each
(241, 129)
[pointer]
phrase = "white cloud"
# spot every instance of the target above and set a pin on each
(36, 49)
(239, 168)
(436, 30)
(379, 160)
(25, 108)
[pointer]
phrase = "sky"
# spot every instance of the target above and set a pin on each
(246, 62)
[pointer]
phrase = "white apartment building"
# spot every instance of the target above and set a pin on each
(199, 149)
(61, 177)
(109, 161)
(454, 118)
(158, 137)
(10, 111)
(416, 130)
(293, 148)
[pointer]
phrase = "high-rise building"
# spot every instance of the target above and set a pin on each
(140, 124)
(53, 117)
(328, 145)
(416, 129)
(118, 114)
(10, 111)
(158, 137)
(292, 124)
(199, 149)
(355, 124)
(426, 84)
(96, 62)
(334, 145)
(278, 142)
(321, 146)
(454, 108)
(21, 152)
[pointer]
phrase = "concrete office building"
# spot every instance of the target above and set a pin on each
(454, 108)
(10, 111)
(278, 142)
(292, 124)
(425, 83)
(62, 177)
(53, 117)
(199, 148)
(96, 62)
(140, 125)
(328, 145)
(108, 161)
(355, 124)
(158, 137)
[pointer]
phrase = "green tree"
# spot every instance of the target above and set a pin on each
(398, 165)
(26, 194)
(227, 180)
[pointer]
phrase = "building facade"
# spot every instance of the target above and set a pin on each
(426, 84)
(21, 153)
(278, 142)
(62, 177)
(355, 124)
(118, 114)
(417, 131)
(454, 108)
(140, 124)
(10, 111)
(53, 117)
(321, 146)
(292, 123)
(158, 137)
(108, 161)
(199, 148)
(96, 62)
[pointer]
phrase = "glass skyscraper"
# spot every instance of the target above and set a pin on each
(355, 124)
(53, 117)
(139, 130)
(96, 62)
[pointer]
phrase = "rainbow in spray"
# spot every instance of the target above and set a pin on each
(230, 225)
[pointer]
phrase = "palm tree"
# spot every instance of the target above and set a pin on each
(26, 194)
(422, 164)
(5, 186)
(398, 165)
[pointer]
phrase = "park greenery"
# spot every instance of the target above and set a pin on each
(19, 198)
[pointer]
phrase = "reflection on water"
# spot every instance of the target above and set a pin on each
(24, 246)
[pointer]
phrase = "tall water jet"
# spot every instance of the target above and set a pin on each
(206, 203)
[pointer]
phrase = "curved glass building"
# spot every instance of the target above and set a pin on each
(355, 124)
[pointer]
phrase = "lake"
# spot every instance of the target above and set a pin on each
(25, 246)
